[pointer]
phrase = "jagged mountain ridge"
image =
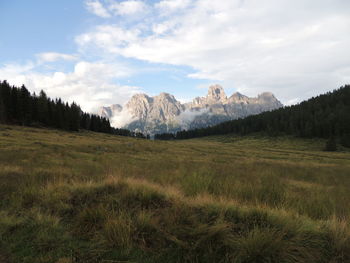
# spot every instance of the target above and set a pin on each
(163, 113)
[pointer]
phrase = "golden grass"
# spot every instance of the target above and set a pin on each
(94, 197)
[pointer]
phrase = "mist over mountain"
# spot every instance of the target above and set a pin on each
(163, 113)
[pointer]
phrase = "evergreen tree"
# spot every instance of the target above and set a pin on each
(18, 106)
(43, 110)
(2, 110)
(13, 111)
(24, 106)
(74, 117)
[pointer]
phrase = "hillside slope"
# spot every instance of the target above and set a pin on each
(89, 197)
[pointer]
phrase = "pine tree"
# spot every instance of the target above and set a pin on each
(75, 112)
(2, 110)
(13, 111)
(24, 105)
(43, 114)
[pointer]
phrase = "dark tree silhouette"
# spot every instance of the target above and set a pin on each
(18, 106)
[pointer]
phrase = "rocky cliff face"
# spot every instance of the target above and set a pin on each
(110, 111)
(163, 113)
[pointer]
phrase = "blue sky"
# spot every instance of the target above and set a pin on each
(31, 27)
(100, 52)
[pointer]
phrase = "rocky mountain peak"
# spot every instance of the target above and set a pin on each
(238, 95)
(139, 105)
(163, 113)
(140, 96)
(266, 95)
(216, 93)
(238, 98)
(165, 97)
(269, 98)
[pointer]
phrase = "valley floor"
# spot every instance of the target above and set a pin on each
(89, 197)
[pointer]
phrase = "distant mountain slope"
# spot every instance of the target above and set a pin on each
(324, 116)
(163, 113)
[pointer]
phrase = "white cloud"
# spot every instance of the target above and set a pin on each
(53, 56)
(295, 49)
(91, 85)
(122, 118)
(11, 70)
(187, 117)
(162, 28)
(130, 7)
(110, 38)
(168, 6)
(96, 7)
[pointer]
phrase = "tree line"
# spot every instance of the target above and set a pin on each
(324, 116)
(18, 106)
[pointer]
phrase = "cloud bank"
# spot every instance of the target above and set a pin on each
(295, 49)
(122, 118)
(89, 84)
(187, 117)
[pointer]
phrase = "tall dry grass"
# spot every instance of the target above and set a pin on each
(85, 197)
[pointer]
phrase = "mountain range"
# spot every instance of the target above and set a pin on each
(163, 113)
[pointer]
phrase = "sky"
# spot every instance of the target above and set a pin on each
(101, 52)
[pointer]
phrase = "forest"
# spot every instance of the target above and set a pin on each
(18, 106)
(324, 116)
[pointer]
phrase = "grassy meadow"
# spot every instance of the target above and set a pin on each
(89, 197)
